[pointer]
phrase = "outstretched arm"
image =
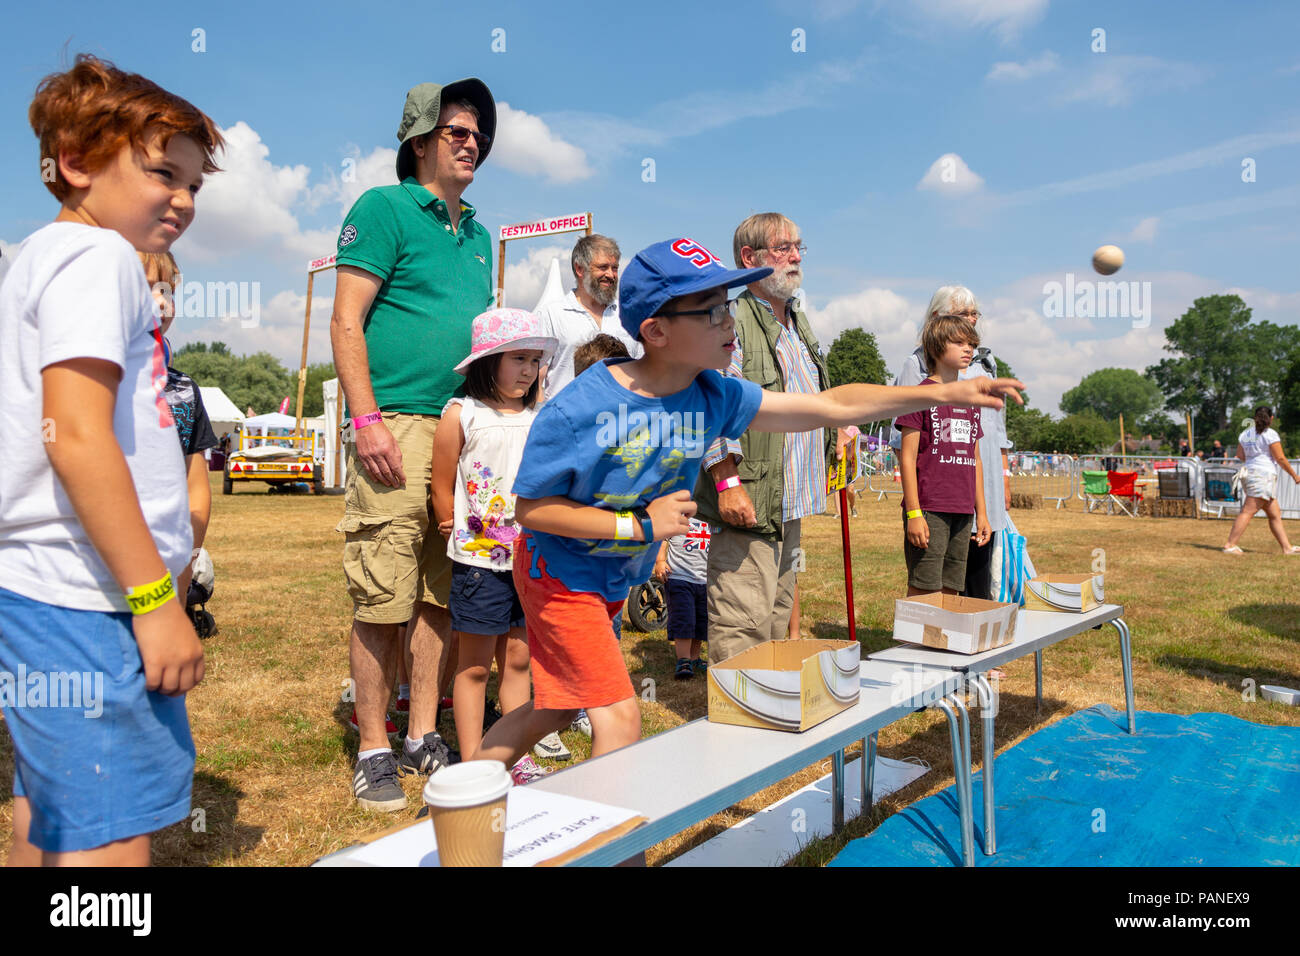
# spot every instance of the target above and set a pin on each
(854, 404)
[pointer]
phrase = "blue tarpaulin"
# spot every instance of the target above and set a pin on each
(1187, 790)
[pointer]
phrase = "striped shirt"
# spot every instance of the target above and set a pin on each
(804, 473)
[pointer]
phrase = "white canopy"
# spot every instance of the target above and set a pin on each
(554, 290)
(219, 407)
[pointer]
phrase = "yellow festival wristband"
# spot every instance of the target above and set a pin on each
(913, 514)
(148, 597)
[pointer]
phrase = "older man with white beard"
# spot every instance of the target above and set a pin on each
(589, 309)
(755, 491)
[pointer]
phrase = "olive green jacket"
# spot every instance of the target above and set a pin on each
(762, 469)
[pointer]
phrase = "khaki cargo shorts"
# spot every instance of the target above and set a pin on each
(392, 558)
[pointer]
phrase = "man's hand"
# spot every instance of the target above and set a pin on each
(169, 648)
(671, 514)
(918, 532)
(982, 532)
(379, 454)
(735, 508)
(982, 391)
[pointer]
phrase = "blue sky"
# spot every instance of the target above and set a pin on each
(1054, 149)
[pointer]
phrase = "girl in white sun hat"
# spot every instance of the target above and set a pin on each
(476, 454)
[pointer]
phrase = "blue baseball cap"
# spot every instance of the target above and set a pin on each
(669, 269)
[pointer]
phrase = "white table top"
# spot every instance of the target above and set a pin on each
(687, 774)
(1034, 631)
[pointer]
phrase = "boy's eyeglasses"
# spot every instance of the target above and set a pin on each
(461, 134)
(717, 315)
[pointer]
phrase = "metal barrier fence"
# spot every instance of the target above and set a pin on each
(881, 470)
(1052, 476)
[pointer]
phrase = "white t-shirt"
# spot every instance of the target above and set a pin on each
(483, 526)
(688, 554)
(75, 291)
(569, 321)
(1257, 447)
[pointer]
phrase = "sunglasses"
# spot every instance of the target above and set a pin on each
(460, 135)
(717, 315)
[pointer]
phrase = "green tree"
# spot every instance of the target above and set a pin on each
(1220, 360)
(855, 357)
(1111, 392)
(1288, 405)
(257, 380)
(1080, 434)
(1022, 421)
(313, 399)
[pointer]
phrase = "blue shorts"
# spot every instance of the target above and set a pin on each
(483, 601)
(98, 757)
(688, 610)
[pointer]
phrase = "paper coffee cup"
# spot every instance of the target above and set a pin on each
(467, 803)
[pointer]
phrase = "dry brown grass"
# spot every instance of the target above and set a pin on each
(275, 761)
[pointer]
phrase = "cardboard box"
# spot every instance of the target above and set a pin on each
(953, 623)
(785, 685)
(1064, 592)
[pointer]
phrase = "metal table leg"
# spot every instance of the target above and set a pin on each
(837, 791)
(1126, 659)
(1038, 681)
(868, 769)
(988, 713)
(951, 707)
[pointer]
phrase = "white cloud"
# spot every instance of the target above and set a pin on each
(248, 208)
(1114, 79)
(526, 145)
(1015, 72)
(279, 330)
(526, 276)
(1145, 231)
(894, 321)
(949, 174)
(356, 174)
(1007, 18)
(7, 252)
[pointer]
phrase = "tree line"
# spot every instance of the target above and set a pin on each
(258, 381)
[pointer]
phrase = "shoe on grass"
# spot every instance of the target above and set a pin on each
(390, 728)
(582, 724)
(684, 669)
(527, 770)
(432, 756)
(700, 665)
(551, 747)
(375, 784)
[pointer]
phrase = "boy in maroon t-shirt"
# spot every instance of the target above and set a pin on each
(941, 469)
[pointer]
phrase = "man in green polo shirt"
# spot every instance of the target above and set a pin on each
(414, 268)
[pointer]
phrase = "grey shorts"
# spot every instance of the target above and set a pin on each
(943, 563)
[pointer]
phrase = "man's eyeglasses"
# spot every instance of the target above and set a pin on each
(717, 315)
(783, 249)
(461, 134)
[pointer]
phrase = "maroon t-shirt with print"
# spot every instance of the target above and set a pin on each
(945, 461)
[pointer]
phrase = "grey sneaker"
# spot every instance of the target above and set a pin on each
(432, 756)
(375, 784)
(581, 723)
(551, 747)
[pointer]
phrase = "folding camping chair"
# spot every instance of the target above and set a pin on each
(1096, 490)
(1123, 484)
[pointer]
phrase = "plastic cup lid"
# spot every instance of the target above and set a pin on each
(467, 784)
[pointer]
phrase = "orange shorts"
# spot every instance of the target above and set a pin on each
(577, 662)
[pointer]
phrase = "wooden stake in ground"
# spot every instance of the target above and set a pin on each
(1123, 446)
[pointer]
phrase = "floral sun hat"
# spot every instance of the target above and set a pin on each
(504, 330)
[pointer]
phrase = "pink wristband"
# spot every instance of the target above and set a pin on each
(726, 483)
(361, 421)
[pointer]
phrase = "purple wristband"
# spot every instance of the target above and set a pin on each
(361, 421)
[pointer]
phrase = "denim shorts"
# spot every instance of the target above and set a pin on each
(688, 610)
(483, 601)
(98, 757)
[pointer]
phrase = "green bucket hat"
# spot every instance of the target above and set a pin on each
(420, 116)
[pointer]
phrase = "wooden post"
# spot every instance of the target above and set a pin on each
(591, 222)
(1123, 447)
(1190, 450)
(338, 436)
(501, 273)
(302, 366)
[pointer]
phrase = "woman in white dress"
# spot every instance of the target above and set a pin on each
(1261, 449)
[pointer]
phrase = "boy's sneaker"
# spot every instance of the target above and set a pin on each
(375, 783)
(403, 705)
(551, 747)
(581, 723)
(700, 665)
(390, 728)
(432, 756)
(491, 714)
(684, 670)
(527, 770)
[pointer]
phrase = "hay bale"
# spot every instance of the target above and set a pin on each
(1021, 500)
(1174, 508)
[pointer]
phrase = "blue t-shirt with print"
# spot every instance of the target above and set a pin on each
(599, 444)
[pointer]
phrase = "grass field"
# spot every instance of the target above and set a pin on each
(273, 779)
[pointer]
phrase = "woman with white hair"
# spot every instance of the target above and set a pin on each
(1261, 449)
(960, 301)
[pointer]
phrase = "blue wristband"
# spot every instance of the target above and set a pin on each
(647, 526)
